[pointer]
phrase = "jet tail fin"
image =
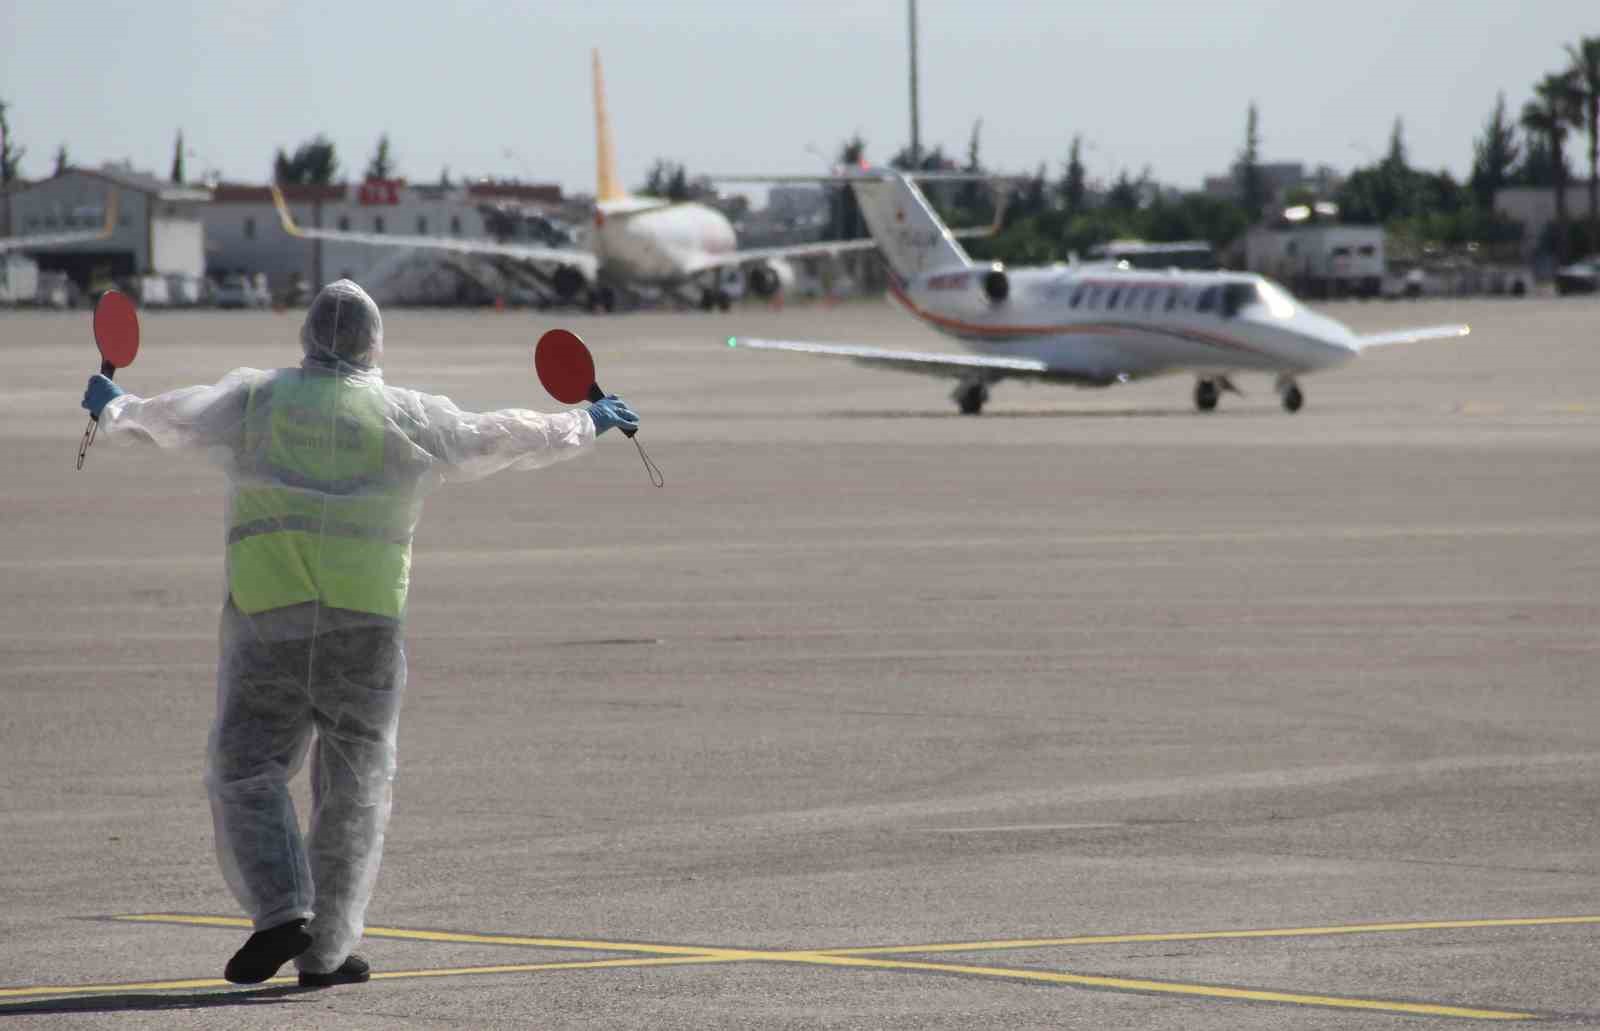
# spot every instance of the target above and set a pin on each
(605, 168)
(912, 236)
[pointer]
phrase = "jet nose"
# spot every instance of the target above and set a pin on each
(1334, 343)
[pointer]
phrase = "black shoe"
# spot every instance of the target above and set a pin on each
(266, 951)
(354, 970)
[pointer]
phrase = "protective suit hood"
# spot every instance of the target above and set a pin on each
(343, 325)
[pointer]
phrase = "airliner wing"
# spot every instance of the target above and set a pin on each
(1411, 336)
(10, 243)
(798, 250)
(584, 261)
(957, 366)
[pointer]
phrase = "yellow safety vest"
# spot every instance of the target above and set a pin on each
(330, 528)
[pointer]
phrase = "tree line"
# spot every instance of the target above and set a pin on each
(1050, 216)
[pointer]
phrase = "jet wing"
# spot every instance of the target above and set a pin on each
(584, 261)
(1411, 336)
(954, 366)
(10, 243)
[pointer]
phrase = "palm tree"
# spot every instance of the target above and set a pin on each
(1548, 116)
(1585, 56)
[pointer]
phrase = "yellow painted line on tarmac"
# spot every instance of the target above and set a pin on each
(37, 991)
(1182, 936)
(34, 991)
(647, 954)
(1124, 984)
(457, 937)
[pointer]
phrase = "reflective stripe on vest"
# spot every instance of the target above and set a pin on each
(326, 531)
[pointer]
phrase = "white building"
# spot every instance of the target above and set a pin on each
(244, 234)
(1319, 259)
(1535, 208)
(158, 229)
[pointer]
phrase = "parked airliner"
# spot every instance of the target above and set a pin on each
(1088, 325)
(636, 241)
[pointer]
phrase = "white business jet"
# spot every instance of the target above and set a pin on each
(40, 241)
(1088, 325)
(683, 248)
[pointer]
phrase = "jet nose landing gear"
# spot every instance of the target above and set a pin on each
(1289, 393)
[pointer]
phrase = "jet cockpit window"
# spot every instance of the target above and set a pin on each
(1111, 298)
(1278, 300)
(1151, 297)
(1077, 296)
(1236, 296)
(1172, 297)
(1208, 299)
(1132, 297)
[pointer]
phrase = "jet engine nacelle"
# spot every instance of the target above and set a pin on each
(568, 280)
(770, 277)
(996, 284)
(763, 280)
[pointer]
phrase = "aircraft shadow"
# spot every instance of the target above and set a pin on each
(133, 1002)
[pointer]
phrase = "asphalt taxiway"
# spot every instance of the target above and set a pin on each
(1088, 712)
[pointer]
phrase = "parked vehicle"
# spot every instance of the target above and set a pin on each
(239, 291)
(19, 279)
(1581, 277)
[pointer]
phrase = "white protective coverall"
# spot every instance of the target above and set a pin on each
(327, 467)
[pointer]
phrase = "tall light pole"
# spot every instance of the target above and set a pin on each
(916, 140)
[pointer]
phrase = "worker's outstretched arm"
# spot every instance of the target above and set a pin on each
(190, 417)
(472, 445)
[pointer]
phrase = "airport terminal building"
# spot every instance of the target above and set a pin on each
(244, 234)
(159, 228)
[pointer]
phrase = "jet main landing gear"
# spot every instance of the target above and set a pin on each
(1206, 394)
(970, 396)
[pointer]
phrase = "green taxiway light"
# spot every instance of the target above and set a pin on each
(733, 341)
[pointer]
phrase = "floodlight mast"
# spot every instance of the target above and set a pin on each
(916, 141)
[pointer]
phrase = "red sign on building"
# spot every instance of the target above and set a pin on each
(379, 192)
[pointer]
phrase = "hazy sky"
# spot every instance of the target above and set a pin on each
(502, 88)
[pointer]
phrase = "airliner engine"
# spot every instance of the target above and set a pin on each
(764, 280)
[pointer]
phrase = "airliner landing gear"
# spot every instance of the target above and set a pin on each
(1289, 393)
(1206, 394)
(603, 299)
(970, 396)
(717, 299)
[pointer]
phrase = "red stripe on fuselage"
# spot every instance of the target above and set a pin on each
(945, 322)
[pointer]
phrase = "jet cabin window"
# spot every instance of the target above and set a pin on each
(1077, 295)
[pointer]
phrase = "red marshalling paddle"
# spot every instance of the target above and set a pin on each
(116, 333)
(566, 368)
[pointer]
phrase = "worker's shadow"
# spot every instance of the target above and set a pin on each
(134, 1002)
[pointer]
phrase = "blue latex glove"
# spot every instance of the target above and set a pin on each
(613, 411)
(101, 391)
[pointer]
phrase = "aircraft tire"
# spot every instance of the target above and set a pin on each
(1206, 395)
(724, 302)
(970, 398)
(1292, 398)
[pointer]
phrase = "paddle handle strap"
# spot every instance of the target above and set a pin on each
(109, 371)
(650, 467)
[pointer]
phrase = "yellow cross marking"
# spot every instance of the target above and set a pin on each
(650, 954)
